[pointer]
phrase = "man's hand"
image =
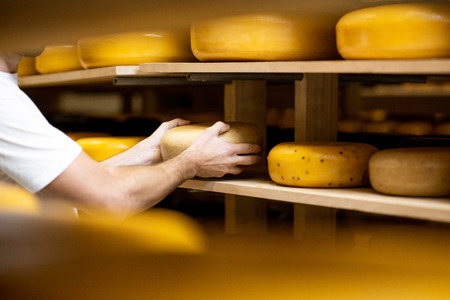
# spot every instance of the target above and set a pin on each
(214, 157)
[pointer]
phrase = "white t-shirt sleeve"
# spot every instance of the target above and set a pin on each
(32, 152)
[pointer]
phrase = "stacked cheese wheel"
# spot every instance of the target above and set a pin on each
(397, 31)
(101, 148)
(134, 48)
(264, 37)
(58, 58)
(320, 164)
(178, 139)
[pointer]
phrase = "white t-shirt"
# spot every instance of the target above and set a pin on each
(32, 152)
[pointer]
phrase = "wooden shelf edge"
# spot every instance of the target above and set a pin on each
(359, 199)
(99, 75)
(428, 66)
(90, 76)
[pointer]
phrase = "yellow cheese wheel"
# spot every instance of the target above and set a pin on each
(320, 164)
(101, 148)
(412, 171)
(16, 199)
(58, 58)
(178, 139)
(27, 66)
(134, 48)
(396, 31)
(76, 135)
(262, 37)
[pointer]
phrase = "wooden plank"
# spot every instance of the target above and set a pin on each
(245, 100)
(316, 105)
(316, 109)
(91, 76)
(358, 199)
(425, 66)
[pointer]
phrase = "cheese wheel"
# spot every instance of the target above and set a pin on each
(16, 199)
(414, 128)
(27, 66)
(134, 48)
(415, 171)
(396, 31)
(178, 139)
(263, 37)
(76, 135)
(101, 148)
(58, 58)
(320, 164)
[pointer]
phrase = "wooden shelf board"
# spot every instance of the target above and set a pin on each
(429, 66)
(98, 75)
(107, 74)
(359, 199)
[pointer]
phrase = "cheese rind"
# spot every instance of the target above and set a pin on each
(396, 31)
(178, 139)
(263, 37)
(101, 148)
(320, 164)
(412, 171)
(134, 48)
(58, 58)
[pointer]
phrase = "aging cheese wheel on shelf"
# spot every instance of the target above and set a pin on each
(396, 31)
(16, 199)
(58, 58)
(263, 37)
(27, 66)
(178, 139)
(76, 135)
(134, 48)
(320, 164)
(415, 171)
(101, 148)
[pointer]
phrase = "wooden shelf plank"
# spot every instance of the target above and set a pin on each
(429, 67)
(101, 75)
(359, 199)
(91, 76)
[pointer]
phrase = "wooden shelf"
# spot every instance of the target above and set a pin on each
(429, 67)
(359, 199)
(107, 74)
(92, 76)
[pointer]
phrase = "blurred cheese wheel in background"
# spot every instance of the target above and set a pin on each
(101, 148)
(76, 135)
(27, 66)
(412, 171)
(263, 37)
(442, 129)
(414, 127)
(320, 164)
(13, 198)
(397, 31)
(58, 58)
(134, 48)
(178, 139)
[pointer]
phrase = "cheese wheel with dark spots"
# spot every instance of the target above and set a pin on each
(320, 164)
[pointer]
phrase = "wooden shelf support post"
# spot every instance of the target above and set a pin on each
(245, 100)
(316, 105)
